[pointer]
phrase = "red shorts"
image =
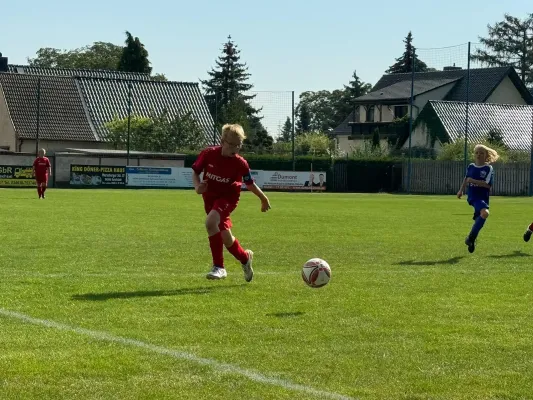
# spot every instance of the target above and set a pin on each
(224, 208)
(42, 179)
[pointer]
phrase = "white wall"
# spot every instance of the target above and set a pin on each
(28, 146)
(7, 130)
(506, 93)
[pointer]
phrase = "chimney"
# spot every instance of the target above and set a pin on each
(3, 63)
(452, 68)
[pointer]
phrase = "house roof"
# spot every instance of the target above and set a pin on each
(76, 107)
(62, 114)
(446, 120)
(107, 99)
(401, 91)
(483, 81)
(94, 73)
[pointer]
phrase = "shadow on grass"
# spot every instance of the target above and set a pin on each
(450, 261)
(286, 314)
(150, 293)
(514, 254)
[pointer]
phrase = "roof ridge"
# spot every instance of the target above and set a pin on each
(80, 69)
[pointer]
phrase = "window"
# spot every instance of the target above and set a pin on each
(400, 111)
(370, 114)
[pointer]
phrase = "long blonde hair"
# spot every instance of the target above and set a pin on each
(492, 155)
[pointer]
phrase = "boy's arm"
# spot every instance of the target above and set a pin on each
(199, 187)
(479, 183)
(265, 203)
(49, 169)
(462, 189)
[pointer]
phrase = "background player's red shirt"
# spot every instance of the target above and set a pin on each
(41, 165)
(224, 175)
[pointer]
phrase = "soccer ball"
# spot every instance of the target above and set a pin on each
(316, 273)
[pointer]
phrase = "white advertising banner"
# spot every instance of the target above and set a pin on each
(294, 180)
(175, 177)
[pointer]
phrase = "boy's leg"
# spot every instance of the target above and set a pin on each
(39, 189)
(245, 257)
(529, 231)
(481, 215)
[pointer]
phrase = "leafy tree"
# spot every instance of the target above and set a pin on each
(376, 140)
(404, 63)
(304, 117)
(99, 55)
(160, 133)
(134, 56)
(509, 42)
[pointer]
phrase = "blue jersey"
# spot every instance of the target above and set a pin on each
(479, 173)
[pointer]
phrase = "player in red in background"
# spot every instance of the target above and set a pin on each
(42, 170)
(224, 172)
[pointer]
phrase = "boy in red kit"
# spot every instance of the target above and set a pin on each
(224, 172)
(42, 170)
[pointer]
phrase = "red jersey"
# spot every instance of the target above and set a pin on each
(41, 165)
(224, 175)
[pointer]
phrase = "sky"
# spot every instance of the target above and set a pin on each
(299, 45)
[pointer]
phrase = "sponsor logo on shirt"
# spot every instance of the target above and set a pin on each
(217, 178)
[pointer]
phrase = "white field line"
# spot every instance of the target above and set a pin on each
(219, 366)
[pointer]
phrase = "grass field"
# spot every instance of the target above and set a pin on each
(103, 296)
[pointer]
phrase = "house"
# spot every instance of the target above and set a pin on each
(69, 108)
(387, 107)
(444, 122)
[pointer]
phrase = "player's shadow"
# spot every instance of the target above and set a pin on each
(286, 314)
(449, 261)
(514, 254)
(150, 293)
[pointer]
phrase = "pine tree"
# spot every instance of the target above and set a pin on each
(510, 42)
(405, 62)
(134, 56)
(286, 131)
(304, 119)
(227, 86)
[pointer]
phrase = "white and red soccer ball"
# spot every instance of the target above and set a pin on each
(316, 272)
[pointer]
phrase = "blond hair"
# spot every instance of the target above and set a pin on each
(233, 131)
(491, 154)
(43, 152)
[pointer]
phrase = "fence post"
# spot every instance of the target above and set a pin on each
(38, 117)
(467, 106)
(292, 133)
(531, 157)
(411, 119)
(129, 122)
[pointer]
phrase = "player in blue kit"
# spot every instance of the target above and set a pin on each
(479, 178)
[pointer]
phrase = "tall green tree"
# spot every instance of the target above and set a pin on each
(285, 134)
(226, 95)
(303, 124)
(99, 55)
(509, 42)
(134, 56)
(404, 63)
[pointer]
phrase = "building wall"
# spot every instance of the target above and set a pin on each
(506, 93)
(7, 130)
(61, 163)
(51, 146)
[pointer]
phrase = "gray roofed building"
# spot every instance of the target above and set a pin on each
(93, 73)
(75, 105)
(444, 122)
(390, 98)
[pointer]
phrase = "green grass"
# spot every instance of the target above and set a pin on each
(408, 314)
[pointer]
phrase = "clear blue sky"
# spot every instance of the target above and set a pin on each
(288, 45)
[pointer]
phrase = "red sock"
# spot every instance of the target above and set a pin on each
(238, 252)
(217, 249)
(531, 227)
(39, 191)
(43, 190)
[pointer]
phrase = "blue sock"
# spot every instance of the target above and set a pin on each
(477, 227)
